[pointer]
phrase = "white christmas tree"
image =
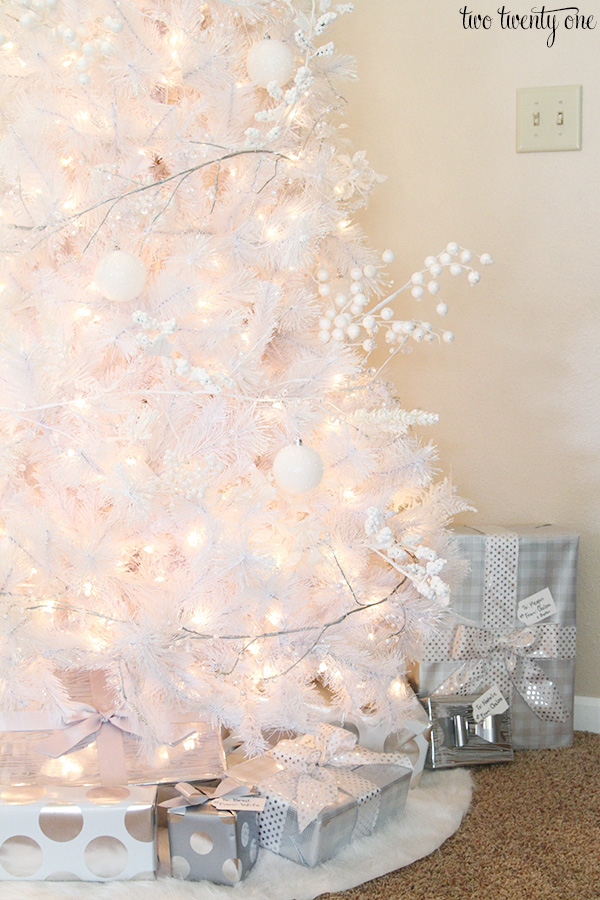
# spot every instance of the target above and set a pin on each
(208, 493)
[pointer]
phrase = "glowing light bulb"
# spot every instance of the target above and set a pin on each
(149, 548)
(323, 667)
(274, 616)
(195, 538)
(397, 688)
(87, 588)
(189, 744)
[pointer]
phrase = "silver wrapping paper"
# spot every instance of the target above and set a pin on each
(198, 757)
(210, 844)
(338, 823)
(547, 558)
(77, 833)
(458, 740)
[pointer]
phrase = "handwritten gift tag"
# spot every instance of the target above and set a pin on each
(491, 703)
(537, 607)
(255, 804)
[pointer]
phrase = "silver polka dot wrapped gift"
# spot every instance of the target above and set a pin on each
(208, 843)
(323, 791)
(77, 833)
(513, 629)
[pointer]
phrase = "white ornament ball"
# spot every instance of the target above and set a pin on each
(445, 259)
(435, 270)
(298, 468)
(417, 292)
(417, 278)
(369, 271)
(433, 287)
(338, 334)
(387, 313)
(323, 274)
(453, 248)
(368, 322)
(388, 256)
(270, 61)
(448, 337)
(474, 277)
(455, 269)
(466, 256)
(442, 309)
(353, 331)
(485, 259)
(120, 276)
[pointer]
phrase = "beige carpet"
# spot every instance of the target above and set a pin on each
(533, 833)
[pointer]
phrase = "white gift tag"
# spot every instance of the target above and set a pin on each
(255, 804)
(491, 703)
(537, 607)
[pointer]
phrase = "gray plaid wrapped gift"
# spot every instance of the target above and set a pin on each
(323, 792)
(514, 628)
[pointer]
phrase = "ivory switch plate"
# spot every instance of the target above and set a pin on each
(549, 118)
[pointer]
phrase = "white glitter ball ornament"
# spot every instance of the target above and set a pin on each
(270, 61)
(120, 276)
(298, 468)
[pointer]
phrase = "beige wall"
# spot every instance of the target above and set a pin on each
(517, 392)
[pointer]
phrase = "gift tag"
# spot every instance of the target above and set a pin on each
(537, 607)
(254, 804)
(491, 703)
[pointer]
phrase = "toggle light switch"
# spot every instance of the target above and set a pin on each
(549, 118)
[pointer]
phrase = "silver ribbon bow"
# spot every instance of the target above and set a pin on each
(313, 770)
(199, 796)
(497, 653)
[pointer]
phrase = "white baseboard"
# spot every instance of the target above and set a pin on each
(587, 714)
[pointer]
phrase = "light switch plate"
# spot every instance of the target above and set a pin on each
(549, 118)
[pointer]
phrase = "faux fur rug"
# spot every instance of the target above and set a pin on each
(434, 811)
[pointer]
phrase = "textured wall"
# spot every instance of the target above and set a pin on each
(518, 392)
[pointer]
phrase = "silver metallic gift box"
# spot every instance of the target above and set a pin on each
(361, 797)
(209, 844)
(77, 833)
(98, 747)
(457, 739)
(514, 627)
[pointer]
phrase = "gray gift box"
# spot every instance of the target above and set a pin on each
(209, 844)
(352, 815)
(457, 739)
(505, 632)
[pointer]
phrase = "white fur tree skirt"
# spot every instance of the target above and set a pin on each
(434, 811)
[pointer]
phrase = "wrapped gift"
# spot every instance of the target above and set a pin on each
(513, 629)
(412, 738)
(213, 835)
(102, 744)
(324, 791)
(77, 833)
(461, 737)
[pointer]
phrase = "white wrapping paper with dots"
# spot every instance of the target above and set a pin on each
(512, 628)
(77, 833)
(318, 800)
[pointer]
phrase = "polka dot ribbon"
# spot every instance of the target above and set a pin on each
(315, 766)
(500, 654)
